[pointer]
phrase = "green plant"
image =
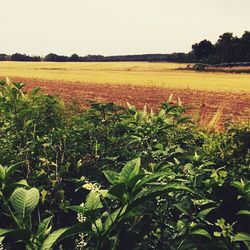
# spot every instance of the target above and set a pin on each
(113, 177)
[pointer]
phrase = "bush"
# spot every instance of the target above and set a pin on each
(115, 177)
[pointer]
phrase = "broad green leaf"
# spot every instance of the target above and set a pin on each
(134, 180)
(114, 217)
(22, 183)
(24, 201)
(131, 169)
(63, 233)
(12, 169)
(239, 185)
(181, 224)
(111, 176)
(97, 226)
(242, 237)
(79, 209)
(118, 191)
(150, 193)
(20, 234)
(136, 211)
(181, 207)
(203, 213)
(54, 237)
(200, 232)
(13, 186)
(149, 178)
(43, 228)
(93, 201)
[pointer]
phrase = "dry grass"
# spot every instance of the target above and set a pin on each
(132, 73)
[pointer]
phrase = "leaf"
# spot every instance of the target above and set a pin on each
(203, 213)
(200, 232)
(24, 201)
(242, 237)
(134, 180)
(207, 164)
(79, 209)
(12, 186)
(20, 234)
(136, 211)
(114, 217)
(93, 201)
(63, 233)
(118, 191)
(43, 195)
(2, 173)
(43, 227)
(202, 202)
(149, 178)
(239, 185)
(149, 194)
(97, 226)
(22, 183)
(244, 212)
(111, 176)
(182, 208)
(12, 168)
(131, 169)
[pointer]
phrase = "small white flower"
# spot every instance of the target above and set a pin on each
(81, 243)
(90, 186)
(80, 217)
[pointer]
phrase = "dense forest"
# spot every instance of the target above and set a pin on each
(227, 49)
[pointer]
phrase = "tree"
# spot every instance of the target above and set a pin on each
(56, 58)
(18, 57)
(51, 57)
(24, 57)
(74, 58)
(228, 48)
(4, 57)
(245, 46)
(203, 50)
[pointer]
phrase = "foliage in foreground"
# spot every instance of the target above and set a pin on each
(113, 178)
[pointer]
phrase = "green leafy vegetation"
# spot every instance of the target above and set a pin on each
(116, 178)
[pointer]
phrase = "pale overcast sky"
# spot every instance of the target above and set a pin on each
(114, 27)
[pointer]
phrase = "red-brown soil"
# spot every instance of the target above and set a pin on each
(236, 69)
(202, 104)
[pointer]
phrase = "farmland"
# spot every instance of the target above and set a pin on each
(110, 177)
(128, 73)
(125, 125)
(138, 83)
(105, 172)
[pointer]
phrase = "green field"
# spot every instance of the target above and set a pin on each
(137, 73)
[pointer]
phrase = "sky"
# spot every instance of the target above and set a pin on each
(116, 27)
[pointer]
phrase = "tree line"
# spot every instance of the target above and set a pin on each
(51, 57)
(227, 49)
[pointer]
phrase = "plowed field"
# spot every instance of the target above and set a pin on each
(202, 104)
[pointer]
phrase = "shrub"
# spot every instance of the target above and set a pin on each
(115, 177)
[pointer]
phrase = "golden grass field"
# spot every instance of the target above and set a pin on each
(132, 73)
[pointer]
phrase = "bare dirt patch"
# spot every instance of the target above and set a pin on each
(202, 104)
